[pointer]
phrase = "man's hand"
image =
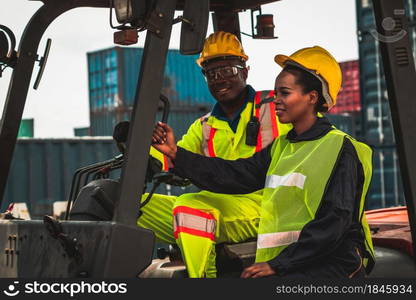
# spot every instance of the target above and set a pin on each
(258, 270)
(163, 140)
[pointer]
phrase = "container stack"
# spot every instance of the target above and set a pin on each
(386, 189)
(346, 114)
(348, 99)
(113, 76)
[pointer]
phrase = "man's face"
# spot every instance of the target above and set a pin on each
(223, 85)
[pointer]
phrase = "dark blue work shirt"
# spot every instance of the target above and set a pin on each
(233, 122)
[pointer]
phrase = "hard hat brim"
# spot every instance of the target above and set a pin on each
(201, 60)
(281, 59)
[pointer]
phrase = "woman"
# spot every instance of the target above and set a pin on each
(315, 179)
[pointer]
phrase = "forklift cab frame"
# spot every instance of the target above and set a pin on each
(126, 249)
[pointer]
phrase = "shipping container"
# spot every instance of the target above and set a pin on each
(377, 130)
(82, 131)
(42, 169)
(386, 189)
(184, 79)
(348, 99)
(372, 82)
(113, 75)
(377, 123)
(345, 122)
(102, 123)
(26, 128)
(103, 79)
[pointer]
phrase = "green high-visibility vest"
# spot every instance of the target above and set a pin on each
(295, 184)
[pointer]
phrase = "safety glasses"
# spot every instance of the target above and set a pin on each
(221, 72)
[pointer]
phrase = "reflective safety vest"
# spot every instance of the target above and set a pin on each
(166, 163)
(225, 143)
(265, 112)
(295, 184)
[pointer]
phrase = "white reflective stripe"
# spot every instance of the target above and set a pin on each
(292, 179)
(271, 240)
(194, 222)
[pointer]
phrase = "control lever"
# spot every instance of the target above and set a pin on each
(120, 134)
(172, 179)
(167, 178)
(166, 108)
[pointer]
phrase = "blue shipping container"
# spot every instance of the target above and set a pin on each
(386, 189)
(113, 76)
(343, 122)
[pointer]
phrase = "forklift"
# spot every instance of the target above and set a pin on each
(99, 237)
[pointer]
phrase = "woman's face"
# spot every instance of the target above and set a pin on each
(291, 103)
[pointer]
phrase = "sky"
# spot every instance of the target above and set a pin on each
(61, 101)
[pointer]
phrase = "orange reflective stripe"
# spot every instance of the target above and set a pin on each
(165, 163)
(192, 211)
(194, 222)
(268, 121)
(211, 151)
(265, 113)
(193, 232)
(273, 118)
(257, 100)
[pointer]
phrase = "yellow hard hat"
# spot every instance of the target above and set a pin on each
(219, 44)
(320, 63)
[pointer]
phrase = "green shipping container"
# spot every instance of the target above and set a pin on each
(26, 128)
(42, 169)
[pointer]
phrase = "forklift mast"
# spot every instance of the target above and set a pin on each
(399, 70)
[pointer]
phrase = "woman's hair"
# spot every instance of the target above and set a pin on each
(309, 83)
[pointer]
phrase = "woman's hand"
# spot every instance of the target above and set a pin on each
(163, 140)
(258, 270)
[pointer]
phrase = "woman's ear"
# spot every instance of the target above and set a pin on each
(313, 97)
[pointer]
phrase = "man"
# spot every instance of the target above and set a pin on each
(241, 123)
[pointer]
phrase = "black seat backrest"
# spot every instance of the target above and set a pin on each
(95, 201)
